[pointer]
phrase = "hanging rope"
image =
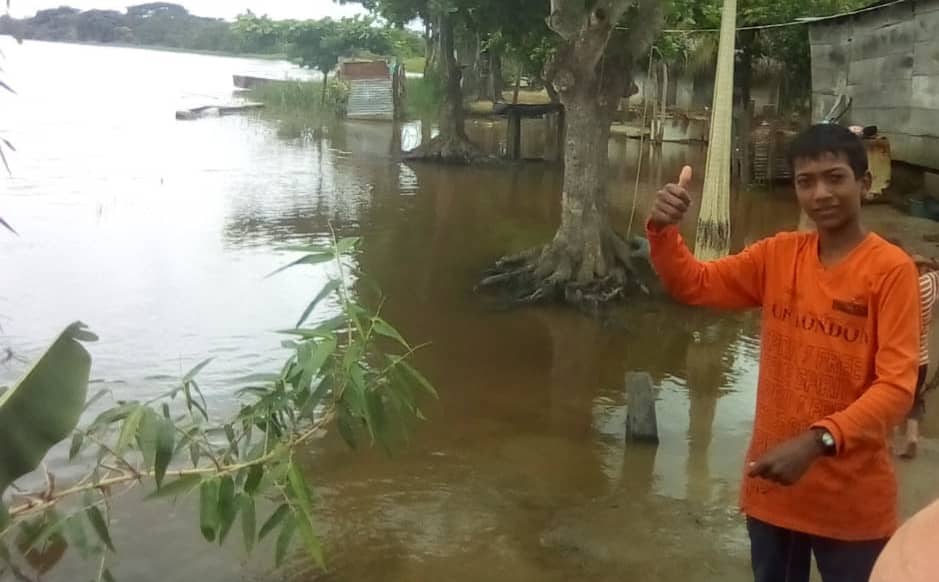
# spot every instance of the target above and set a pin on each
(713, 235)
(642, 135)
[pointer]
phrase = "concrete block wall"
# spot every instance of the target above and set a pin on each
(887, 60)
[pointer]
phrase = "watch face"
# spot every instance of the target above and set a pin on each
(828, 440)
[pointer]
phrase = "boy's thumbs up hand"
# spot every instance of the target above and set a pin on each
(672, 201)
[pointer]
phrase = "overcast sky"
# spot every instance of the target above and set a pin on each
(218, 8)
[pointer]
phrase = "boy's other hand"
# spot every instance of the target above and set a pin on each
(672, 201)
(787, 463)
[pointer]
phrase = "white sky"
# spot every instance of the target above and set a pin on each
(217, 8)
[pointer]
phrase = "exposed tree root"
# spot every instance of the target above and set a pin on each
(589, 278)
(449, 149)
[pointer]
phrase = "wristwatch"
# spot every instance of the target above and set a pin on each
(826, 441)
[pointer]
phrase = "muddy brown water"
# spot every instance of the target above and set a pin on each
(157, 233)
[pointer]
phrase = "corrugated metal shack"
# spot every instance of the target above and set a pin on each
(373, 89)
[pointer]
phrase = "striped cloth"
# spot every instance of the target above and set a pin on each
(928, 293)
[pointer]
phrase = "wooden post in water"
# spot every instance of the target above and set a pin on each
(641, 423)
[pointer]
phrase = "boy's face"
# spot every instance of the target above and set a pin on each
(828, 190)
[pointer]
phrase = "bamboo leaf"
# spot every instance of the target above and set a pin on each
(176, 488)
(274, 520)
(147, 436)
(323, 330)
(98, 396)
(78, 438)
(345, 429)
(255, 473)
(98, 523)
(75, 532)
(347, 244)
(284, 539)
(165, 444)
(129, 429)
(191, 374)
(44, 407)
(208, 509)
(329, 288)
(311, 259)
(418, 377)
(323, 351)
(248, 526)
(227, 508)
(301, 496)
(382, 327)
(298, 488)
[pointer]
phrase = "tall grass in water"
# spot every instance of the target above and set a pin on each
(298, 105)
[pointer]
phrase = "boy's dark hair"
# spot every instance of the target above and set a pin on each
(828, 138)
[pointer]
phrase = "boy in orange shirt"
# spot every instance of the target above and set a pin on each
(838, 364)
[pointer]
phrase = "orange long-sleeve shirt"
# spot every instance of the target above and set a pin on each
(839, 350)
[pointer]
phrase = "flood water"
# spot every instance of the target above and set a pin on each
(158, 233)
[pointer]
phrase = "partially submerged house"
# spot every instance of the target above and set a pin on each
(885, 59)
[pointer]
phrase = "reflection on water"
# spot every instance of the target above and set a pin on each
(158, 233)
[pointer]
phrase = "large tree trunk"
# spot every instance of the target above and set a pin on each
(586, 263)
(451, 144)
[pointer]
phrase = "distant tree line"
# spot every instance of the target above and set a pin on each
(164, 24)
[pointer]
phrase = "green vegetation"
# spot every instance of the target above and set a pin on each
(168, 25)
(350, 373)
(422, 98)
(414, 64)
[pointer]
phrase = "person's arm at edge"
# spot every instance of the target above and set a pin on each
(734, 282)
(890, 396)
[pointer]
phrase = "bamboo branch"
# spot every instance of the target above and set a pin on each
(18, 511)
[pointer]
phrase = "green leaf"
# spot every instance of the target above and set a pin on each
(301, 496)
(323, 350)
(274, 520)
(147, 436)
(44, 407)
(418, 377)
(299, 489)
(311, 259)
(191, 374)
(376, 414)
(227, 508)
(78, 438)
(248, 527)
(129, 429)
(165, 443)
(347, 244)
(113, 415)
(345, 429)
(284, 539)
(255, 473)
(98, 523)
(329, 288)
(307, 249)
(176, 488)
(382, 327)
(98, 396)
(322, 330)
(75, 532)
(208, 509)
(194, 453)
